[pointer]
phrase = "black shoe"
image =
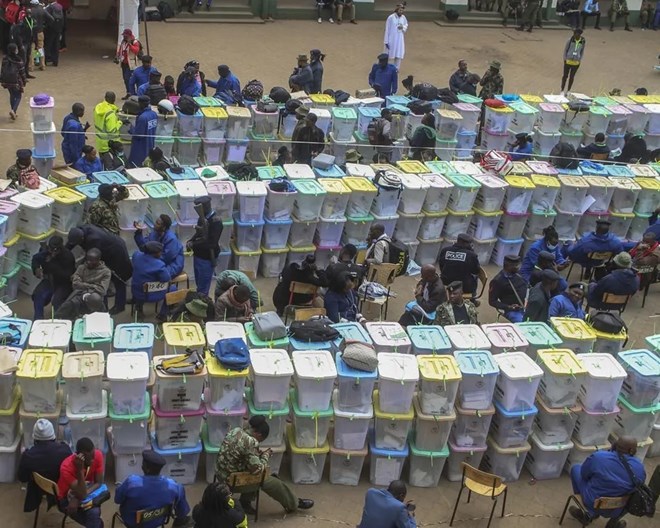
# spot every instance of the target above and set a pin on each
(305, 504)
(616, 523)
(598, 28)
(248, 509)
(529, 30)
(611, 28)
(182, 522)
(579, 516)
(116, 310)
(627, 28)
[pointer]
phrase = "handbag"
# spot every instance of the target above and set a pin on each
(642, 499)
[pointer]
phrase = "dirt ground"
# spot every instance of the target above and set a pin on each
(531, 63)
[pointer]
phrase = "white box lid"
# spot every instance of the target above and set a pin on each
(190, 188)
(468, 337)
(397, 367)
(271, 362)
(388, 333)
(315, 364)
(32, 199)
(47, 333)
(87, 364)
(413, 182)
(143, 175)
(504, 335)
(128, 366)
(602, 366)
(251, 188)
(491, 181)
(517, 366)
(217, 330)
(357, 169)
(299, 171)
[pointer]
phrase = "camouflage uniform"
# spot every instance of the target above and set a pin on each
(240, 452)
(444, 315)
(14, 174)
(492, 84)
(104, 214)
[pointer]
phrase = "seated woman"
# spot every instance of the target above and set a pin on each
(217, 509)
(522, 149)
(568, 303)
(341, 300)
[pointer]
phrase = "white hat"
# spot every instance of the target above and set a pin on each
(43, 430)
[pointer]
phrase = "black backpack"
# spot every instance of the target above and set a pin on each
(312, 331)
(375, 130)
(563, 156)
(9, 71)
(131, 106)
(607, 322)
(398, 254)
(424, 91)
(642, 499)
(165, 10)
(279, 94)
(419, 107)
(341, 97)
(187, 105)
(242, 171)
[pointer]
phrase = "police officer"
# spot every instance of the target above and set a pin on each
(508, 290)
(459, 262)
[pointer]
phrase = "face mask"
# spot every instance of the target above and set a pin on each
(552, 246)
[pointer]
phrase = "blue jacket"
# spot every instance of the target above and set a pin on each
(226, 88)
(191, 87)
(146, 268)
(172, 254)
(619, 282)
(522, 153)
(141, 492)
(532, 256)
(303, 77)
(338, 305)
(73, 133)
(382, 510)
(604, 475)
(579, 252)
(562, 306)
(142, 89)
(385, 78)
(139, 76)
(88, 167)
(654, 226)
(143, 139)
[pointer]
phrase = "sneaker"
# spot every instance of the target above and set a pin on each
(331, 20)
(354, 22)
(562, 93)
(320, 21)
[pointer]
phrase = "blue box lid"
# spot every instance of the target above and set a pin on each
(524, 413)
(390, 453)
(237, 221)
(109, 177)
(476, 362)
(642, 361)
(344, 371)
(430, 338)
(332, 172)
(297, 344)
(369, 111)
(188, 174)
(177, 451)
(353, 331)
(133, 336)
(50, 155)
(279, 221)
(24, 325)
(91, 190)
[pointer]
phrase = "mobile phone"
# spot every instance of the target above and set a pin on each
(411, 507)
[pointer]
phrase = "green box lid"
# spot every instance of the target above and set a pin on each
(269, 413)
(257, 342)
(131, 417)
(79, 333)
(463, 180)
(444, 453)
(293, 400)
(340, 112)
(309, 187)
(439, 167)
(160, 189)
(208, 101)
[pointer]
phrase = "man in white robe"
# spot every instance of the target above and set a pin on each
(395, 29)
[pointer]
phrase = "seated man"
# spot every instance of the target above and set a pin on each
(546, 260)
(568, 303)
(598, 147)
(459, 262)
(80, 475)
(538, 303)
(604, 474)
(54, 264)
(228, 278)
(457, 310)
(600, 240)
(623, 280)
(523, 148)
(90, 285)
(508, 290)
(429, 294)
(148, 267)
(234, 305)
(172, 253)
(151, 491)
(45, 458)
(345, 262)
(388, 508)
(240, 452)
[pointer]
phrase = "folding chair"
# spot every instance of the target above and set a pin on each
(616, 303)
(301, 288)
(304, 314)
(587, 271)
(142, 517)
(174, 298)
(601, 503)
(484, 484)
(245, 482)
(383, 274)
(648, 275)
(483, 279)
(49, 488)
(181, 277)
(151, 287)
(600, 156)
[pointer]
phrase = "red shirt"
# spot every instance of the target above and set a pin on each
(69, 475)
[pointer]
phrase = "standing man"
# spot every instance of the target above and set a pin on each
(73, 132)
(205, 243)
(383, 77)
(53, 33)
(395, 30)
(54, 264)
(127, 57)
(143, 133)
(172, 253)
(459, 77)
(508, 290)
(538, 303)
(227, 87)
(140, 75)
(302, 77)
(529, 15)
(591, 8)
(492, 82)
(342, 5)
(423, 142)
(41, 19)
(459, 262)
(21, 172)
(380, 135)
(154, 89)
(151, 491)
(307, 141)
(573, 53)
(106, 122)
(104, 211)
(388, 508)
(619, 9)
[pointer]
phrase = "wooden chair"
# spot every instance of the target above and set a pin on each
(162, 515)
(601, 503)
(245, 482)
(649, 275)
(384, 274)
(587, 271)
(151, 287)
(50, 489)
(182, 277)
(305, 314)
(484, 484)
(483, 279)
(301, 288)
(616, 303)
(600, 156)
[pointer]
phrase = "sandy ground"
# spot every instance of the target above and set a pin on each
(531, 63)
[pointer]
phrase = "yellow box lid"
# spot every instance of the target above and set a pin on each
(334, 185)
(487, 213)
(378, 413)
(597, 181)
(14, 404)
(529, 98)
(274, 251)
(438, 368)
(435, 214)
(183, 334)
(291, 439)
(40, 363)
(641, 99)
(449, 114)
(302, 249)
(87, 364)
(500, 110)
(650, 184)
(451, 212)
(214, 112)
(385, 167)
(561, 361)
(621, 336)
(359, 184)
(541, 180)
(12, 241)
(570, 328)
(322, 99)
(573, 181)
(238, 111)
(521, 182)
(624, 216)
(235, 251)
(215, 369)
(39, 238)
(65, 195)
(412, 167)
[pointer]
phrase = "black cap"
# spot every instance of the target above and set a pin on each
(153, 459)
(147, 58)
(152, 247)
(464, 237)
(23, 153)
(549, 274)
(512, 258)
(144, 99)
(603, 221)
(456, 285)
(383, 56)
(546, 255)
